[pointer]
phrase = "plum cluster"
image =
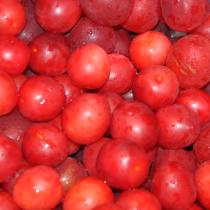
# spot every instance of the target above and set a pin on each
(104, 104)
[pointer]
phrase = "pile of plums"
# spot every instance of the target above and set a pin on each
(104, 104)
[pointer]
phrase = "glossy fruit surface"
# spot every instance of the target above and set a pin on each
(193, 13)
(143, 17)
(33, 189)
(139, 199)
(134, 121)
(89, 67)
(87, 118)
(189, 59)
(156, 86)
(96, 194)
(107, 12)
(44, 144)
(179, 127)
(177, 183)
(104, 104)
(202, 183)
(14, 55)
(57, 16)
(148, 49)
(12, 17)
(49, 54)
(128, 164)
(87, 31)
(41, 98)
(197, 101)
(8, 93)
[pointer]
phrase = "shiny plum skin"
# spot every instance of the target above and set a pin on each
(179, 127)
(138, 199)
(70, 171)
(197, 101)
(34, 187)
(12, 17)
(104, 104)
(175, 181)
(86, 31)
(193, 13)
(107, 12)
(97, 193)
(128, 164)
(41, 98)
(143, 17)
(49, 54)
(89, 66)
(89, 113)
(44, 144)
(135, 121)
(202, 145)
(156, 86)
(202, 176)
(57, 16)
(11, 158)
(148, 49)
(189, 59)
(8, 93)
(122, 73)
(14, 55)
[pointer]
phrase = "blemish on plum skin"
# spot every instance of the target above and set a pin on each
(137, 168)
(40, 136)
(34, 49)
(184, 68)
(159, 79)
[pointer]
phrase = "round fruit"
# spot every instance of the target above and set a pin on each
(88, 193)
(41, 98)
(87, 118)
(128, 164)
(189, 59)
(34, 187)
